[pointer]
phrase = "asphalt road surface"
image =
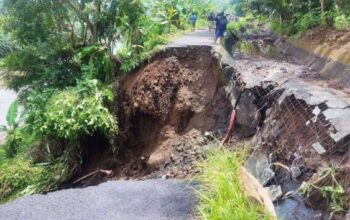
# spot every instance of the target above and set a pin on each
(114, 200)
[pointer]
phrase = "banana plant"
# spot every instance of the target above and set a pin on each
(11, 118)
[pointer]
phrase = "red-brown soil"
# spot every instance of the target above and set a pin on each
(165, 109)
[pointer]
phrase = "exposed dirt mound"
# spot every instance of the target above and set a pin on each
(167, 106)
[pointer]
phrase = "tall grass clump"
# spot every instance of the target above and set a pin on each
(221, 195)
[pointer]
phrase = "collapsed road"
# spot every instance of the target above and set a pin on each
(293, 115)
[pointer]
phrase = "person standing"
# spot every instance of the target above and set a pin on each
(193, 19)
(221, 24)
(211, 21)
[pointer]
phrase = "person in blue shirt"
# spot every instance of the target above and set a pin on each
(221, 24)
(193, 19)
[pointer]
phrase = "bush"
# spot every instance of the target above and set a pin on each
(73, 113)
(307, 21)
(20, 177)
(14, 141)
(285, 28)
(16, 175)
(341, 22)
(237, 28)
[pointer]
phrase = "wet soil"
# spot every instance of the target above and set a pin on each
(167, 107)
(169, 111)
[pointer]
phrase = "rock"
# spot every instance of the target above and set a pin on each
(164, 177)
(157, 159)
(259, 66)
(246, 115)
(275, 192)
(267, 175)
(296, 172)
(259, 167)
(319, 148)
(208, 134)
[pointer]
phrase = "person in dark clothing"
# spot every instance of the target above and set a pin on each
(193, 19)
(221, 24)
(211, 21)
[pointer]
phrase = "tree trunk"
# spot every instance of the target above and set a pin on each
(322, 6)
(95, 24)
(94, 33)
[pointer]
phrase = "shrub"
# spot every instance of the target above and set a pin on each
(237, 27)
(306, 21)
(20, 177)
(73, 113)
(341, 22)
(16, 175)
(285, 28)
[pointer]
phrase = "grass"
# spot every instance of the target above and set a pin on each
(221, 196)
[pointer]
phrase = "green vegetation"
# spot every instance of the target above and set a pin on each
(237, 28)
(63, 59)
(292, 17)
(221, 194)
(330, 188)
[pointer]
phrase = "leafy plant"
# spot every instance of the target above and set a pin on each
(341, 22)
(330, 189)
(74, 113)
(20, 177)
(128, 59)
(96, 63)
(11, 117)
(306, 21)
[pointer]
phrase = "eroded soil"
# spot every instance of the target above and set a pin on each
(168, 106)
(173, 107)
(169, 111)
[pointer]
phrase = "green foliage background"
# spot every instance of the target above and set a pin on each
(291, 17)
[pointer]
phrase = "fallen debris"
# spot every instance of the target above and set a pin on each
(275, 192)
(93, 174)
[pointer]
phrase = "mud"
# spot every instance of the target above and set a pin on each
(167, 106)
